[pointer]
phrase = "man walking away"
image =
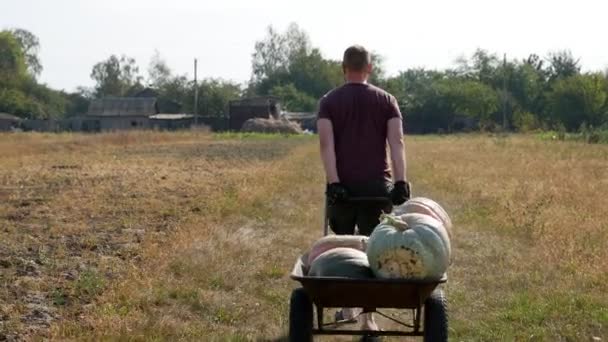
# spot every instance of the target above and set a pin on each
(355, 121)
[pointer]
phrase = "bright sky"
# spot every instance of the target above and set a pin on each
(75, 34)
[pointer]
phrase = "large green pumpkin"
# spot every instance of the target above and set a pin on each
(411, 246)
(341, 262)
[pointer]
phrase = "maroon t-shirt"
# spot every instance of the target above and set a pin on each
(359, 114)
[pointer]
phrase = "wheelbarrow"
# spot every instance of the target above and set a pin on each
(428, 304)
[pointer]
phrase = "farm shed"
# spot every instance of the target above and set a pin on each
(171, 121)
(216, 123)
(41, 125)
(8, 122)
(120, 113)
(254, 107)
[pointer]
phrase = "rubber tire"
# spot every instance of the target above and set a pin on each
(436, 317)
(300, 316)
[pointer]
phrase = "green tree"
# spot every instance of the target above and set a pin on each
(12, 61)
(472, 98)
(378, 76)
(578, 99)
(562, 64)
(214, 95)
(286, 65)
(116, 76)
(78, 101)
(274, 54)
(51, 103)
(293, 99)
(30, 46)
(312, 74)
(482, 66)
(179, 90)
(159, 72)
(525, 88)
(423, 100)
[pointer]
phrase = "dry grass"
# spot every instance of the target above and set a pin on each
(532, 234)
(189, 236)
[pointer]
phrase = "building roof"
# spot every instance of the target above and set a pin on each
(171, 116)
(123, 106)
(146, 92)
(6, 116)
(255, 101)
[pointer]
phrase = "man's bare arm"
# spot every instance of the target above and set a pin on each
(397, 148)
(328, 151)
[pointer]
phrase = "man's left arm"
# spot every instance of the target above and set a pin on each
(401, 189)
(397, 148)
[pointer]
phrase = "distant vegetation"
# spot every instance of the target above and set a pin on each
(483, 91)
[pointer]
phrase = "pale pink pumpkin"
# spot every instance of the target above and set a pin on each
(328, 242)
(426, 206)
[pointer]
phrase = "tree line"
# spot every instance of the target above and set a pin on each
(482, 91)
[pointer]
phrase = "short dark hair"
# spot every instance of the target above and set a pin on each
(356, 58)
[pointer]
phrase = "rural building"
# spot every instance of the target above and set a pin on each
(215, 122)
(146, 92)
(119, 113)
(171, 121)
(41, 125)
(8, 122)
(254, 107)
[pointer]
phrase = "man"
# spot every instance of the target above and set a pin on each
(355, 121)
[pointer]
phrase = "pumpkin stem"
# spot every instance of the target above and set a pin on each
(394, 221)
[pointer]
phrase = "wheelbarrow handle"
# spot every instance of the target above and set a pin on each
(363, 199)
(370, 200)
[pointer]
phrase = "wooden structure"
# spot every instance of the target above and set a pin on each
(171, 121)
(254, 107)
(119, 113)
(8, 122)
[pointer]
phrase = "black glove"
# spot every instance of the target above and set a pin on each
(400, 193)
(336, 193)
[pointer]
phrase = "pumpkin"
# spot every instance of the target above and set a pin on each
(341, 262)
(411, 246)
(423, 205)
(334, 241)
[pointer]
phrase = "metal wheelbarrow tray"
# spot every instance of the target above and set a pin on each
(369, 294)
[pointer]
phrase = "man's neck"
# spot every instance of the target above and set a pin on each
(356, 78)
(356, 81)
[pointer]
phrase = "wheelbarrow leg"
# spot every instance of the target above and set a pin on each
(417, 319)
(320, 317)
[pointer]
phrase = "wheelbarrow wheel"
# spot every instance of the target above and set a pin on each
(436, 318)
(300, 317)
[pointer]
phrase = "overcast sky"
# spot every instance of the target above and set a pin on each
(75, 34)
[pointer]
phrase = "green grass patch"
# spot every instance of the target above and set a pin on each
(599, 136)
(258, 136)
(89, 284)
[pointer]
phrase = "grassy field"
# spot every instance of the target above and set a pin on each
(167, 236)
